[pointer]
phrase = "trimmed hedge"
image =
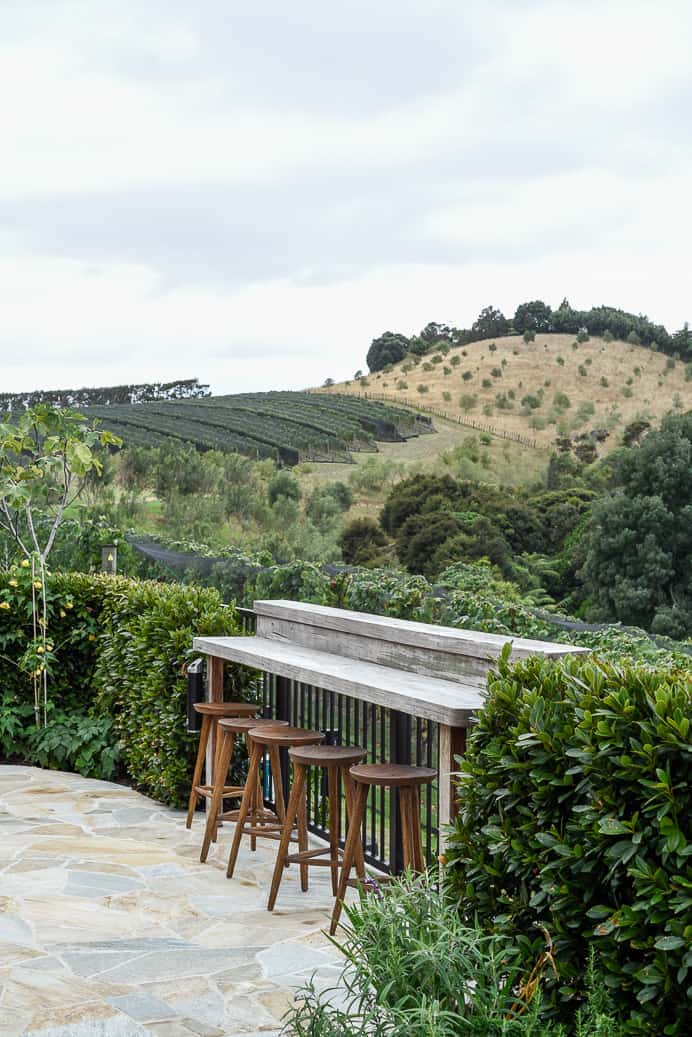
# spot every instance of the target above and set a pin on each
(575, 811)
(117, 662)
(140, 677)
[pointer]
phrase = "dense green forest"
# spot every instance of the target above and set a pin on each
(531, 318)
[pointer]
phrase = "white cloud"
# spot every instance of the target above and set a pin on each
(249, 193)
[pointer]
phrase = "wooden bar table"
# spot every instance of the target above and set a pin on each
(414, 670)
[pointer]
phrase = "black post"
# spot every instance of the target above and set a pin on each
(283, 712)
(400, 749)
(195, 693)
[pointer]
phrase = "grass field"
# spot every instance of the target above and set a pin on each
(576, 386)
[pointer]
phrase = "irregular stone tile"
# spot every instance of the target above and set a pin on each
(98, 884)
(143, 1007)
(58, 828)
(283, 959)
(202, 1029)
(14, 1021)
(14, 929)
(86, 1021)
(13, 954)
(172, 1028)
(46, 881)
(120, 851)
(180, 963)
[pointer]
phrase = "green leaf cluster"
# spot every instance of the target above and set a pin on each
(575, 806)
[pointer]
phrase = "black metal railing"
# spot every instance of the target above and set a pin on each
(386, 735)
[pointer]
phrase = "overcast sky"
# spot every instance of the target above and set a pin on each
(249, 192)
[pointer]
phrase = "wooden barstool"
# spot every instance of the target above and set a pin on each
(211, 713)
(270, 740)
(227, 728)
(407, 780)
(336, 760)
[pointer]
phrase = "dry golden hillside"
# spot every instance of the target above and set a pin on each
(552, 386)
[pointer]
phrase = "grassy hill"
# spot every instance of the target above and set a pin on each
(539, 390)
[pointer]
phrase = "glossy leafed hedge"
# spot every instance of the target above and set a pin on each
(145, 641)
(117, 666)
(575, 813)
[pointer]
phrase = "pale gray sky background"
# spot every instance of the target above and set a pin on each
(249, 192)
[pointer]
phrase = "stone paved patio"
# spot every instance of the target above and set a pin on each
(110, 926)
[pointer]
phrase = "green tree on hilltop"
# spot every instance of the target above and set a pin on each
(638, 565)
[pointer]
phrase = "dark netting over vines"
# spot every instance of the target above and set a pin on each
(230, 572)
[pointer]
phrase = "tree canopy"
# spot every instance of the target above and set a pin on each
(638, 566)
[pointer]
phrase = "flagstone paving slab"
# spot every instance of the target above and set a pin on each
(111, 927)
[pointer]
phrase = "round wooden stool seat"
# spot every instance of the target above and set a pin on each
(226, 709)
(326, 755)
(392, 775)
(336, 760)
(284, 737)
(241, 725)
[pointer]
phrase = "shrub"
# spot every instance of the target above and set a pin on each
(529, 336)
(561, 401)
(467, 401)
(427, 366)
(575, 806)
(503, 402)
(560, 360)
(607, 336)
(633, 339)
(446, 396)
(531, 401)
(488, 410)
(604, 382)
(401, 384)
(492, 347)
(446, 371)
(422, 388)
(487, 383)
(496, 372)
(118, 681)
(437, 359)
(414, 968)
(362, 542)
(627, 392)
(582, 370)
(582, 335)
(283, 485)
(455, 360)
(467, 376)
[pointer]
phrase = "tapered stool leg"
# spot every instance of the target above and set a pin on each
(225, 751)
(197, 774)
(350, 850)
(349, 793)
(292, 811)
(334, 824)
(248, 801)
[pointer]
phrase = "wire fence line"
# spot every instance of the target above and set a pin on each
(459, 419)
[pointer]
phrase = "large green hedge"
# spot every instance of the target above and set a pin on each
(575, 812)
(116, 666)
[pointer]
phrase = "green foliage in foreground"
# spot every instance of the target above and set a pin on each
(415, 969)
(575, 808)
(117, 667)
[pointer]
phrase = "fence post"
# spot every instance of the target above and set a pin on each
(283, 712)
(400, 750)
